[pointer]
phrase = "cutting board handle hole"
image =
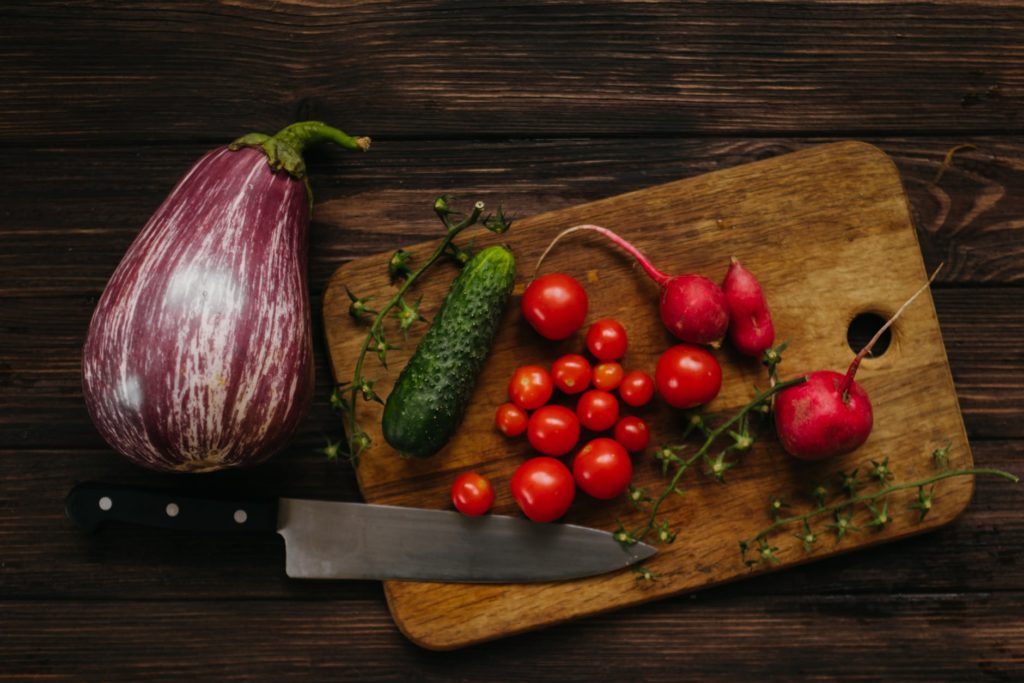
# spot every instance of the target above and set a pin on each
(862, 328)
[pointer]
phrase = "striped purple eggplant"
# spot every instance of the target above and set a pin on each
(199, 355)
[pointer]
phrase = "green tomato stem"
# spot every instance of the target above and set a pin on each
(880, 493)
(641, 532)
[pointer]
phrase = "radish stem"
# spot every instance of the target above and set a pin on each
(852, 370)
(655, 274)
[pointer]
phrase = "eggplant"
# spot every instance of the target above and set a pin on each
(199, 353)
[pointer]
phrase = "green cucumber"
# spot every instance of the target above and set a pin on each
(432, 393)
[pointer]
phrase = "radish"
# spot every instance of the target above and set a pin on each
(750, 324)
(692, 307)
(830, 414)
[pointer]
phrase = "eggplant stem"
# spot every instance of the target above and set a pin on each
(284, 149)
(300, 135)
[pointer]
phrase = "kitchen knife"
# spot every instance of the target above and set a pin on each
(336, 540)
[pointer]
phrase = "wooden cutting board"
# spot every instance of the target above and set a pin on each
(828, 232)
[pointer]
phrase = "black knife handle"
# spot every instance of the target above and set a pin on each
(92, 504)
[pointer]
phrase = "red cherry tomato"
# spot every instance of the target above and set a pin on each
(603, 469)
(607, 376)
(530, 387)
(597, 410)
(553, 430)
(472, 494)
(555, 305)
(632, 433)
(510, 419)
(571, 373)
(543, 488)
(687, 376)
(606, 339)
(637, 388)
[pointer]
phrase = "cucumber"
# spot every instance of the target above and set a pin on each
(431, 395)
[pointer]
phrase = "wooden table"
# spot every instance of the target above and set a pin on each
(538, 106)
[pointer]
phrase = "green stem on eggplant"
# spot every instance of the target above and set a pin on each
(284, 149)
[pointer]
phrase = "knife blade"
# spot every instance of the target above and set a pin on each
(341, 540)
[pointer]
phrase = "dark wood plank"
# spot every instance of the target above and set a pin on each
(103, 72)
(46, 557)
(70, 213)
(936, 637)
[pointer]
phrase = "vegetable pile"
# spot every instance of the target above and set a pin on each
(574, 409)
(542, 486)
(198, 358)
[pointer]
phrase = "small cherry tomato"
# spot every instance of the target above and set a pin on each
(632, 433)
(597, 410)
(530, 387)
(606, 339)
(603, 469)
(553, 430)
(607, 376)
(571, 373)
(637, 388)
(472, 494)
(687, 376)
(543, 488)
(510, 419)
(555, 305)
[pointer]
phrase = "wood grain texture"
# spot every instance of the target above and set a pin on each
(533, 68)
(929, 637)
(840, 214)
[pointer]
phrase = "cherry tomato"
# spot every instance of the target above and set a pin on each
(543, 488)
(607, 376)
(632, 433)
(597, 410)
(571, 373)
(530, 387)
(603, 469)
(510, 419)
(555, 305)
(606, 339)
(637, 388)
(553, 430)
(472, 494)
(687, 376)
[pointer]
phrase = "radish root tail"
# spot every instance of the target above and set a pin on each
(655, 274)
(852, 370)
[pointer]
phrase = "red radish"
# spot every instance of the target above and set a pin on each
(818, 419)
(750, 324)
(693, 308)
(830, 414)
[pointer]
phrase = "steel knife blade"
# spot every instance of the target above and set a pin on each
(342, 540)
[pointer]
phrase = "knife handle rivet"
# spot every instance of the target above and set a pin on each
(241, 516)
(106, 503)
(172, 510)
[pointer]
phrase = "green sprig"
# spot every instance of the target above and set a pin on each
(407, 314)
(716, 466)
(842, 510)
